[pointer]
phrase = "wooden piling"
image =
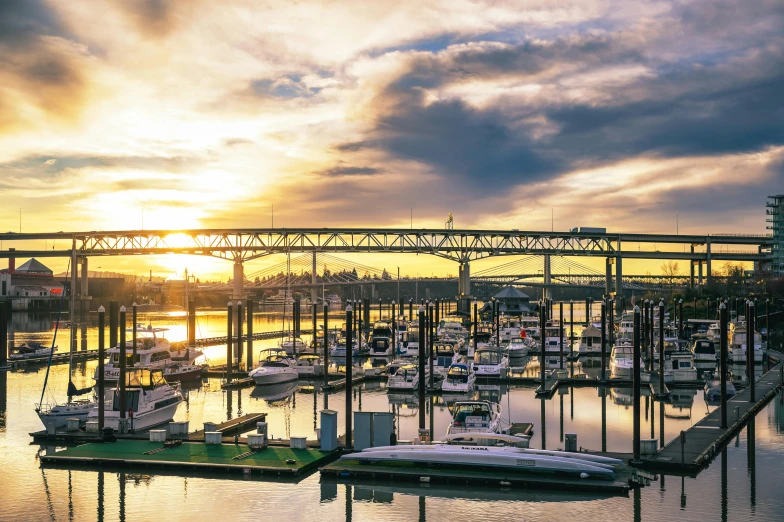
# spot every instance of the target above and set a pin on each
(723, 341)
(636, 380)
(603, 373)
(114, 310)
(229, 342)
(349, 369)
(325, 344)
(249, 311)
(422, 352)
(122, 363)
(101, 357)
(135, 317)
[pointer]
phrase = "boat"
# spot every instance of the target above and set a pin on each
(739, 341)
(275, 366)
(466, 456)
(275, 392)
(380, 341)
(622, 361)
(509, 328)
(408, 341)
(445, 353)
(530, 324)
(590, 341)
(713, 390)
(451, 326)
(704, 350)
(30, 350)
(460, 378)
(518, 347)
(405, 377)
(626, 327)
(679, 367)
(489, 362)
(552, 337)
(308, 365)
(293, 345)
(339, 348)
(475, 417)
(150, 401)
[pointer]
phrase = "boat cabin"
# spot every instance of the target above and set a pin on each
(458, 373)
(487, 356)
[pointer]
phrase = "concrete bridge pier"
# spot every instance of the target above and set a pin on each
(709, 277)
(547, 276)
(313, 280)
(691, 270)
(239, 279)
(464, 287)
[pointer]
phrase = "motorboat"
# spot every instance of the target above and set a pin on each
(460, 378)
(275, 392)
(408, 341)
(552, 337)
(713, 390)
(405, 377)
(590, 341)
(518, 347)
(150, 401)
(309, 365)
(467, 456)
(622, 361)
(509, 329)
(380, 340)
(738, 336)
(339, 348)
(626, 328)
(275, 366)
(489, 362)
(451, 326)
(530, 324)
(60, 413)
(704, 350)
(475, 417)
(445, 354)
(30, 350)
(293, 345)
(679, 367)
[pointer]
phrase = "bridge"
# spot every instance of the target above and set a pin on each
(461, 246)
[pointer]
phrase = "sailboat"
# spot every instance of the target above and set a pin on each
(72, 409)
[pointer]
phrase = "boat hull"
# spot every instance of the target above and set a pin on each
(265, 378)
(141, 421)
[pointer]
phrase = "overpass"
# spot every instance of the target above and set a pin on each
(461, 246)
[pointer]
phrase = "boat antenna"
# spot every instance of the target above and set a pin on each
(54, 338)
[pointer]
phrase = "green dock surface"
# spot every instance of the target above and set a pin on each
(213, 457)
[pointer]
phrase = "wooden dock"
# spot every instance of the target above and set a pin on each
(189, 456)
(233, 426)
(706, 438)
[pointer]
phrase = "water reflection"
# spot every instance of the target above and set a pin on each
(3, 399)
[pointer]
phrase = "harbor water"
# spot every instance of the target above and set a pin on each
(742, 483)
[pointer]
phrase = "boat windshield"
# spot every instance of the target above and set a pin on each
(471, 410)
(487, 357)
(274, 364)
(706, 347)
(458, 374)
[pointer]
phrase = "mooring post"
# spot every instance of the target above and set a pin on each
(249, 345)
(610, 316)
(114, 310)
(191, 322)
(561, 332)
(661, 347)
(571, 327)
(680, 319)
(636, 425)
(751, 321)
(723, 341)
(315, 327)
(101, 356)
(121, 384)
(133, 332)
(297, 317)
(652, 328)
(422, 352)
(229, 341)
(394, 329)
(707, 308)
(542, 321)
(3, 335)
(430, 339)
(349, 371)
(411, 309)
(603, 310)
(476, 323)
(349, 347)
(683, 448)
(240, 346)
(437, 311)
(587, 312)
(767, 323)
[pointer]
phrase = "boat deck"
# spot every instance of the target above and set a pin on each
(193, 456)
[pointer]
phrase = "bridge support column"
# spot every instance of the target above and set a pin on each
(464, 288)
(709, 277)
(547, 278)
(239, 279)
(619, 284)
(313, 280)
(691, 270)
(608, 277)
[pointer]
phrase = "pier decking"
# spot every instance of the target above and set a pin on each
(236, 458)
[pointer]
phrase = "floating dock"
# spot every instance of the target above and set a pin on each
(237, 458)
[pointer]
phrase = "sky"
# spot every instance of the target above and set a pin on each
(159, 114)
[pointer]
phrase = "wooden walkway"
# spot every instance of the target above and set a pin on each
(706, 438)
(231, 427)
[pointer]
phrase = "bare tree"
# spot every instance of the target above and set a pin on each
(670, 271)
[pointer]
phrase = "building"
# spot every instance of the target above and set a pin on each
(511, 302)
(30, 286)
(775, 212)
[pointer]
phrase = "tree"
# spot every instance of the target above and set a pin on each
(670, 271)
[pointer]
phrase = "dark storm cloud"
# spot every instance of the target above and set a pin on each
(39, 69)
(346, 170)
(689, 105)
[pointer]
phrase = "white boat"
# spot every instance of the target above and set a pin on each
(530, 324)
(30, 350)
(590, 341)
(445, 353)
(275, 392)
(622, 361)
(275, 367)
(339, 348)
(704, 350)
(489, 361)
(738, 336)
(149, 400)
(380, 341)
(460, 378)
(405, 377)
(509, 329)
(60, 413)
(552, 337)
(679, 367)
(451, 326)
(293, 345)
(713, 390)
(309, 365)
(492, 456)
(475, 417)
(626, 328)
(408, 341)
(518, 347)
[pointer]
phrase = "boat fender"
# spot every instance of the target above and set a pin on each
(291, 461)
(584, 475)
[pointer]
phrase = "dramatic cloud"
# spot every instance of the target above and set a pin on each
(515, 114)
